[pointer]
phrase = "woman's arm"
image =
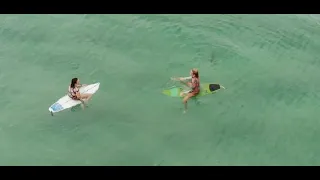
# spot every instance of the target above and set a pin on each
(78, 95)
(182, 78)
(81, 85)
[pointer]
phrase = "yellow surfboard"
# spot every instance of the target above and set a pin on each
(205, 89)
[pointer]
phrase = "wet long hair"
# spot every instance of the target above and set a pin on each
(195, 72)
(73, 82)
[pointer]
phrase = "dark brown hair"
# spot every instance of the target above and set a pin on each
(73, 82)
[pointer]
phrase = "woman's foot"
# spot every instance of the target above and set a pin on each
(85, 102)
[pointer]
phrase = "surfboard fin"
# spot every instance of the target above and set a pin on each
(51, 113)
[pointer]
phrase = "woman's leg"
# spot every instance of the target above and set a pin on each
(82, 106)
(185, 100)
(184, 93)
(86, 96)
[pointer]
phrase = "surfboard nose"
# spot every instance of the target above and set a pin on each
(166, 92)
(173, 92)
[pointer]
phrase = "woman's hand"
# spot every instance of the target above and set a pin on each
(177, 79)
(82, 85)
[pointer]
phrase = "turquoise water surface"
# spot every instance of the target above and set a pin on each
(268, 114)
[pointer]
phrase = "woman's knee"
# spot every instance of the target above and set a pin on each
(84, 95)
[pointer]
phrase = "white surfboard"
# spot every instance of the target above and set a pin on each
(66, 102)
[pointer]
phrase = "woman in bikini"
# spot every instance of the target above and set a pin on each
(194, 84)
(73, 92)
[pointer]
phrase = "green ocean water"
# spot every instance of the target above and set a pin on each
(268, 114)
